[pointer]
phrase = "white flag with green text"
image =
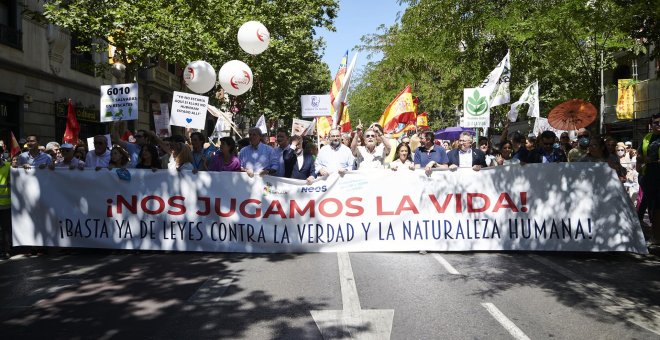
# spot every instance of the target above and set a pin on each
(496, 85)
(531, 97)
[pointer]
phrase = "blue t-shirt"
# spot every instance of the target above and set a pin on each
(436, 154)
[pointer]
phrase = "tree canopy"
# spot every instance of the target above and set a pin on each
(443, 46)
(181, 31)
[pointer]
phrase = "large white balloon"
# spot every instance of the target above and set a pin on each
(253, 37)
(199, 76)
(235, 77)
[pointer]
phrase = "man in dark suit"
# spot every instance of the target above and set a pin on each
(546, 152)
(466, 156)
(297, 163)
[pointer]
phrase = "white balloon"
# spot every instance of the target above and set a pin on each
(235, 77)
(199, 76)
(253, 37)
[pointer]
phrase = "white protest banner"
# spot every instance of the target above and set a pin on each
(299, 127)
(119, 102)
(188, 110)
(316, 105)
(162, 121)
(476, 110)
(536, 207)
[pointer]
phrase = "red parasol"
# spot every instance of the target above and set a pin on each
(572, 115)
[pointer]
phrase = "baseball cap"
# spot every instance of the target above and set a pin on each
(66, 146)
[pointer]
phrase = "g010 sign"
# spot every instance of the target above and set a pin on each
(119, 102)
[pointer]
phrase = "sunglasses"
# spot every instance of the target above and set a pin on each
(99, 143)
(369, 136)
(657, 123)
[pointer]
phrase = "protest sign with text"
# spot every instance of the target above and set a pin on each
(119, 102)
(545, 207)
(188, 110)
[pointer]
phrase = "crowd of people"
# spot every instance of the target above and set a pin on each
(363, 149)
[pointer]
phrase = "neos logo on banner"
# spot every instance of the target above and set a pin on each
(119, 102)
(188, 110)
(476, 112)
(315, 105)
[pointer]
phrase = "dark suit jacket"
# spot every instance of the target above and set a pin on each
(478, 157)
(291, 165)
(536, 156)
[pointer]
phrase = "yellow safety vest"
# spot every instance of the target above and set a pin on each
(5, 192)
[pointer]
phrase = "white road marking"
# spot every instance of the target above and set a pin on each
(352, 322)
(349, 296)
(619, 306)
(505, 322)
(450, 269)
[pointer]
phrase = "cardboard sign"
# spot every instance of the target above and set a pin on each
(188, 110)
(119, 102)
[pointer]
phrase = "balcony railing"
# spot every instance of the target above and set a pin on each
(82, 63)
(11, 36)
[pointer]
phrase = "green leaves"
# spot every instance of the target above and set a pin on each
(477, 105)
(180, 31)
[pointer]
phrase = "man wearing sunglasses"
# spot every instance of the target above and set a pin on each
(371, 155)
(100, 158)
(546, 152)
(648, 165)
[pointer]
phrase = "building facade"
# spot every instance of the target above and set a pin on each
(40, 70)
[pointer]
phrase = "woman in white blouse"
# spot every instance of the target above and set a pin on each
(403, 158)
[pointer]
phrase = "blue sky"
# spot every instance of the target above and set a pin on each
(355, 19)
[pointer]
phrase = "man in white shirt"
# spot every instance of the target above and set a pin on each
(334, 157)
(370, 155)
(100, 158)
(466, 156)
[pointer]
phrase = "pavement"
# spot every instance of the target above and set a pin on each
(99, 294)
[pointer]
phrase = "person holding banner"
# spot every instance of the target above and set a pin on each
(199, 159)
(149, 158)
(466, 156)
(100, 158)
(335, 157)
(181, 157)
(225, 159)
(371, 155)
(429, 155)
(257, 156)
(404, 159)
(33, 156)
(546, 153)
(298, 164)
(506, 154)
(68, 160)
(282, 139)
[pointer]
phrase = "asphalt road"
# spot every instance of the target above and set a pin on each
(97, 294)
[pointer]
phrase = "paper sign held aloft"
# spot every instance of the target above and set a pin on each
(188, 110)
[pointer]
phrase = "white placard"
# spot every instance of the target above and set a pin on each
(162, 121)
(188, 110)
(119, 102)
(315, 105)
(499, 208)
(90, 143)
(300, 127)
(476, 110)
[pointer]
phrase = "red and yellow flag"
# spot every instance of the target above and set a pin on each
(399, 113)
(324, 124)
(14, 148)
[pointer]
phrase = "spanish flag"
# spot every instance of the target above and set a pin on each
(324, 124)
(400, 111)
(14, 148)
